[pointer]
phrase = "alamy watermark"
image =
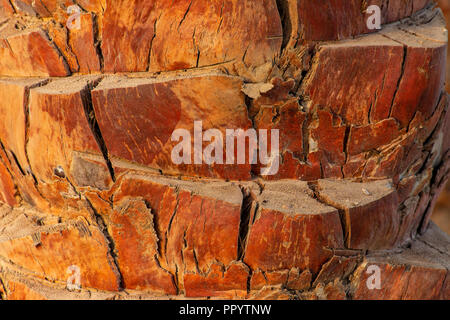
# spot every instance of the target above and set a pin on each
(74, 20)
(222, 150)
(374, 280)
(74, 280)
(374, 21)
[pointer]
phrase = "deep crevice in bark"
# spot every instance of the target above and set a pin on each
(97, 41)
(93, 124)
(286, 22)
(58, 50)
(26, 111)
(16, 161)
(110, 243)
(247, 211)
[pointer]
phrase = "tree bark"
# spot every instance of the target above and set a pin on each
(88, 180)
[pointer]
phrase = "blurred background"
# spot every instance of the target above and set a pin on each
(441, 215)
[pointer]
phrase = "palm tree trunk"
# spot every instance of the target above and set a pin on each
(124, 167)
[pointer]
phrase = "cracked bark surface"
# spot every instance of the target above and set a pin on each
(86, 176)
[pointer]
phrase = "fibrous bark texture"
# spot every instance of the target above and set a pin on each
(88, 180)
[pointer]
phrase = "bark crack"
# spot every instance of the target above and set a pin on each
(98, 41)
(185, 15)
(405, 53)
(112, 256)
(58, 51)
(289, 23)
(149, 59)
(94, 126)
(248, 209)
(26, 111)
(343, 214)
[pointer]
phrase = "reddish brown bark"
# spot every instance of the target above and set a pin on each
(87, 176)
